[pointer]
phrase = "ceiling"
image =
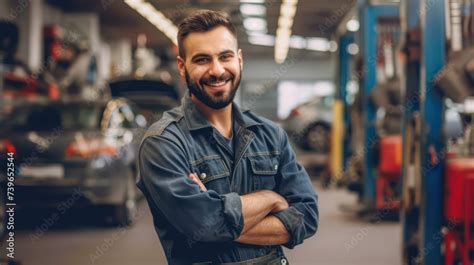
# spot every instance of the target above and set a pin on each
(314, 18)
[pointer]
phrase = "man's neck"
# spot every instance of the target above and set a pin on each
(220, 119)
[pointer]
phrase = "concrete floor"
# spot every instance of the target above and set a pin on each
(341, 240)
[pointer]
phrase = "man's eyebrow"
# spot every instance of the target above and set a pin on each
(200, 55)
(205, 55)
(226, 52)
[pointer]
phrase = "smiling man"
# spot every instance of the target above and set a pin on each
(223, 185)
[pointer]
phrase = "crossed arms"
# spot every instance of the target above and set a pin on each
(260, 226)
(287, 216)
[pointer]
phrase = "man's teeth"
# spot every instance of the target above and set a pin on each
(217, 84)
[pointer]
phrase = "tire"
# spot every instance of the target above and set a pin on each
(317, 138)
(125, 213)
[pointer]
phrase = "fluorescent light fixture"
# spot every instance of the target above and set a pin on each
(283, 33)
(253, 10)
(353, 25)
(317, 44)
(256, 33)
(297, 42)
(285, 41)
(280, 56)
(353, 49)
(285, 22)
(254, 23)
(287, 10)
(156, 18)
(264, 40)
(333, 46)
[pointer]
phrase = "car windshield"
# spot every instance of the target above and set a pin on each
(51, 117)
(321, 102)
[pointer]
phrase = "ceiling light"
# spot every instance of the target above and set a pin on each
(333, 46)
(265, 40)
(253, 10)
(253, 23)
(285, 22)
(353, 25)
(353, 49)
(280, 56)
(287, 10)
(283, 33)
(317, 44)
(257, 32)
(155, 17)
(297, 42)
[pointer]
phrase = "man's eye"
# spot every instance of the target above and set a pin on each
(226, 57)
(201, 60)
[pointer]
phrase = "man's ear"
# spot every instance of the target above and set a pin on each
(181, 67)
(241, 58)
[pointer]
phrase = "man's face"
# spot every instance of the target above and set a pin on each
(212, 67)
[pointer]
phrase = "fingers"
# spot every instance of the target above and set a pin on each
(195, 178)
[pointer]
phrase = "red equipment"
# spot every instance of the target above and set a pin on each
(459, 210)
(389, 172)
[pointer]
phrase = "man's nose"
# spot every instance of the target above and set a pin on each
(217, 69)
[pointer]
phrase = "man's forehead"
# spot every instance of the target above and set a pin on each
(210, 42)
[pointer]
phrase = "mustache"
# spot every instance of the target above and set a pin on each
(214, 79)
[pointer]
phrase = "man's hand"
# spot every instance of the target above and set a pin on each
(260, 227)
(280, 203)
(257, 205)
(195, 178)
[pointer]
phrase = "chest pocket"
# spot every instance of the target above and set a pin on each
(264, 169)
(213, 173)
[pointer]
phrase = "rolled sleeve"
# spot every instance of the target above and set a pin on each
(233, 211)
(301, 219)
(201, 216)
(293, 220)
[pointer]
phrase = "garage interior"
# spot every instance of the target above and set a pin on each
(376, 96)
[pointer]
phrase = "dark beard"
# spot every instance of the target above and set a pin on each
(197, 89)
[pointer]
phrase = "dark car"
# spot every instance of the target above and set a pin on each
(75, 151)
(309, 124)
(153, 96)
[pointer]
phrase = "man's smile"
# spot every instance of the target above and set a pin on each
(218, 85)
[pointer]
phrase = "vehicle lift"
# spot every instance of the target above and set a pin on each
(437, 183)
(437, 207)
(376, 178)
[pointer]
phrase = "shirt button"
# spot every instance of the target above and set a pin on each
(276, 167)
(203, 175)
(283, 261)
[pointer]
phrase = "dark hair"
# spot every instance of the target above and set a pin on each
(202, 21)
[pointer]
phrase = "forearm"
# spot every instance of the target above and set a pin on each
(269, 231)
(256, 206)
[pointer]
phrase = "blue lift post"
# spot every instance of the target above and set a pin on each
(427, 220)
(344, 77)
(409, 214)
(369, 15)
(433, 59)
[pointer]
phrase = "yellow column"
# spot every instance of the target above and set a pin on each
(337, 134)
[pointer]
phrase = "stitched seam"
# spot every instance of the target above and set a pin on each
(257, 171)
(162, 128)
(225, 173)
(205, 158)
(263, 153)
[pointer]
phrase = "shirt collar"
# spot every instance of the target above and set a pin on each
(196, 120)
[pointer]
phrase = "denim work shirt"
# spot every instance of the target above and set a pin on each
(196, 226)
